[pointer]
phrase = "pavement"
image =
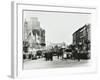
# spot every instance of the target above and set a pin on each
(56, 63)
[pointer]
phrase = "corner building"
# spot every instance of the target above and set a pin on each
(82, 40)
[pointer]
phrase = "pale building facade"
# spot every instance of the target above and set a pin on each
(33, 33)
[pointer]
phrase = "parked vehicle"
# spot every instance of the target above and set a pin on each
(68, 54)
(39, 53)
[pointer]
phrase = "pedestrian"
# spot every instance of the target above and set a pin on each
(51, 56)
(78, 55)
(45, 56)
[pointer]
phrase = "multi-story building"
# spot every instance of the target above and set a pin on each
(81, 39)
(33, 33)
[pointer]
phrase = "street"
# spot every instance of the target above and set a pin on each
(56, 63)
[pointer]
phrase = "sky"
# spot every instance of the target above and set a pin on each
(59, 27)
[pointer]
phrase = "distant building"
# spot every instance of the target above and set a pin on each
(81, 39)
(33, 33)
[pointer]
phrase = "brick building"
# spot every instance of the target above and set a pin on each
(82, 40)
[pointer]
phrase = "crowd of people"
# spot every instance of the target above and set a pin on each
(60, 53)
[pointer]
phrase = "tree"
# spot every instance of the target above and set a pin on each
(42, 44)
